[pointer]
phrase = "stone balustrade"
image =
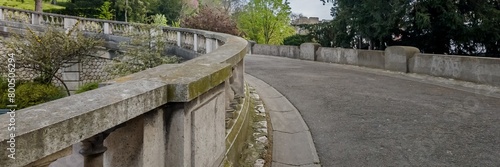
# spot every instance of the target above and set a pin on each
(171, 115)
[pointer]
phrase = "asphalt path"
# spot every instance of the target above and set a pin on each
(366, 117)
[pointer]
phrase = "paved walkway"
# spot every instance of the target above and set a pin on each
(367, 117)
(290, 132)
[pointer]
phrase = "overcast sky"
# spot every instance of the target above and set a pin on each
(311, 8)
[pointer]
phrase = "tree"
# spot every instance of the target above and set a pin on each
(89, 8)
(205, 20)
(296, 40)
(159, 20)
(144, 50)
(170, 8)
(38, 5)
(266, 21)
(105, 11)
(435, 26)
(322, 33)
(48, 52)
(231, 6)
(135, 10)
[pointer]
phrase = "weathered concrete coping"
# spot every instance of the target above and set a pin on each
(185, 81)
(232, 52)
(44, 129)
(190, 79)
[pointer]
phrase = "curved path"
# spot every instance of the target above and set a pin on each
(368, 117)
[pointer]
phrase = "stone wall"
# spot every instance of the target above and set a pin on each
(474, 69)
(397, 58)
(75, 75)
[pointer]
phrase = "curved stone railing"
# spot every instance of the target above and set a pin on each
(171, 115)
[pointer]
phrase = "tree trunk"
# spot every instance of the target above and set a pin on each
(126, 8)
(38, 5)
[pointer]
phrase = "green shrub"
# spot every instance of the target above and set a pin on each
(106, 11)
(296, 40)
(3, 85)
(159, 20)
(30, 94)
(87, 87)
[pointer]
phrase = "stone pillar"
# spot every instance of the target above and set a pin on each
(35, 18)
(308, 51)
(195, 42)
(396, 57)
(216, 44)
(178, 152)
(250, 46)
(69, 23)
(229, 94)
(154, 139)
(125, 145)
(196, 131)
(209, 44)
(107, 28)
(179, 38)
(238, 80)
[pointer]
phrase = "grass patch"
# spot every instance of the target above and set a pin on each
(30, 4)
(87, 87)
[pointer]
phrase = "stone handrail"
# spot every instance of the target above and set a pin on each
(171, 115)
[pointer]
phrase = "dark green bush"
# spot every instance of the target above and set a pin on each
(87, 87)
(30, 94)
(296, 40)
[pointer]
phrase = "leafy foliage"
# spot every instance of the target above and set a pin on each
(144, 50)
(322, 33)
(159, 20)
(105, 11)
(172, 9)
(296, 40)
(435, 26)
(266, 21)
(84, 8)
(30, 93)
(48, 52)
(29, 4)
(211, 19)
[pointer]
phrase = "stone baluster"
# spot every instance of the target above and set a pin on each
(35, 18)
(93, 149)
(209, 44)
(195, 42)
(237, 80)
(107, 28)
(69, 23)
(179, 37)
(139, 142)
